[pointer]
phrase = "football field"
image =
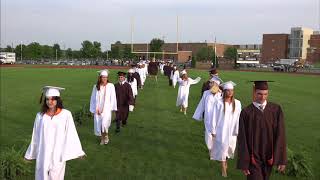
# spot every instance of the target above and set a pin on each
(159, 142)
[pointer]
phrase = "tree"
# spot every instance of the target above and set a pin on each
(90, 50)
(69, 53)
(127, 52)
(17, 50)
(96, 51)
(193, 62)
(56, 48)
(156, 46)
(8, 49)
(206, 54)
(230, 53)
(116, 52)
(33, 51)
(76, 54)
(47, 52)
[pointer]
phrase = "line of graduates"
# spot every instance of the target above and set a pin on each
(55, 139)
(258, 130)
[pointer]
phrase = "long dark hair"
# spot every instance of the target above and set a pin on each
(45, 107)
(99, 82)
(130, 77)
(224, 102)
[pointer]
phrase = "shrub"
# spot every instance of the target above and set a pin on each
(81, 115)
(298, 165)
(12, 164)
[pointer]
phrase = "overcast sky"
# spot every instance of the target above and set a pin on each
(69, 22)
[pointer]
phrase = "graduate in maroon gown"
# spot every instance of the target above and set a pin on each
(261, 138)
(153, 68)
(125, 100)
(206, 85)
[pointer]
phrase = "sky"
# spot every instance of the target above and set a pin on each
(69, 22)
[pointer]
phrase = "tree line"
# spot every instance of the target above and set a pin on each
(92, 50)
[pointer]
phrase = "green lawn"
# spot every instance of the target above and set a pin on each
(159, 142)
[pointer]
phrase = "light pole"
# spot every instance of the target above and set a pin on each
(56, 55)
(21, 51)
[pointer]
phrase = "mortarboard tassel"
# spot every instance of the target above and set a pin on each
(41, 98)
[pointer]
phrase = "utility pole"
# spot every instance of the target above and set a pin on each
(21, 51)
(215, 53)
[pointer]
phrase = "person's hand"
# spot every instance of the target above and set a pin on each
(131, 107)
(281, 168)
(246, 172)
(98, 112)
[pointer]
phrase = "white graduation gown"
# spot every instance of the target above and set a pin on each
(225, 127)
(174, 77)
(142, 74)
(183, 92)
(161, 68)
(134, 85)
(54, 141)
(106, 103)
(205, 108)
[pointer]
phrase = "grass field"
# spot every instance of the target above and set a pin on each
(159, 142)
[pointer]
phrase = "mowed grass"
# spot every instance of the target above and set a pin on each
(159, 141)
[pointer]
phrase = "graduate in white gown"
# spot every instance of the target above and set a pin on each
(133, 82)
(205, 108)
(103, 101)
(142, 74)
(174, 76)
(183, 93)
(225, 124)
(54, 138)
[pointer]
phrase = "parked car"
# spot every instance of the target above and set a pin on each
(55, 63)
(278, 68)
(71, 63)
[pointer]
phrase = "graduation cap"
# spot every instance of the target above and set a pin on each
(261, 84)
(51, 91)
(131, 71)
(103, 72)
(183, 72)
(216, 79)
(213, 71)
(228, 85)
(120, 73)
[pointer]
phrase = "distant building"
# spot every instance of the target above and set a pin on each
(298, 42)
(248, 53)
(313, 52)
(274, 47)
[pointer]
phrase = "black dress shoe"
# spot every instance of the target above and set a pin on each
(117, 130)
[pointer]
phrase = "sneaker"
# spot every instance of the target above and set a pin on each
(185, 113)
(106, 141)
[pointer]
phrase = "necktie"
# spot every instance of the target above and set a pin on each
(261, 108)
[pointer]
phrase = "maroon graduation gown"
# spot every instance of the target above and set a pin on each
(261, 140)
(124, 99)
